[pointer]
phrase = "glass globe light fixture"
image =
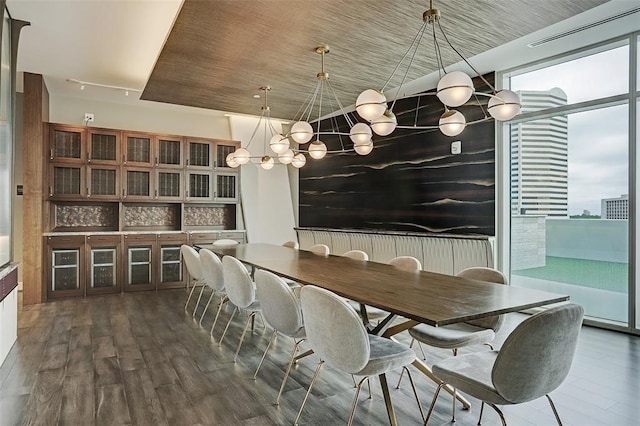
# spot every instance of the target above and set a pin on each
(267, 162)
(286, 157)
(504, 105)
(301, 132)
(299, 160)
(364, 149)
(317, 150)
(279, 143)
(385, 124)
(360, 133)
(242, 156)
(452, 123)
(455, 88)
(231, 161)
(371, 104)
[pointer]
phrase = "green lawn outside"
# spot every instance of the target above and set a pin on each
(610, 276)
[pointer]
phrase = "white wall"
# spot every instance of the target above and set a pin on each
(266, 194)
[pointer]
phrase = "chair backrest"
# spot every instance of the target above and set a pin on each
(280, 306)
(491, 275)
(211, 269)
(334, 330)
(225, 243)
(192, 260)
(320, 249)
(237, 281)
(406, 263)
(291, 244)
(536, 357)
(356, 254)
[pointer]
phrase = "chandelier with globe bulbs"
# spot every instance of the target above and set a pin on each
(454, 89)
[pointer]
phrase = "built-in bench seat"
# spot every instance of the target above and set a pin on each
(445, 254)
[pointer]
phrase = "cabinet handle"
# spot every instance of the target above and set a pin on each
(187, 162)
(123, 194)
(157, 161)
(50, 191)
(156, 193)
(88, 158)
(88, 193)
(51, 154)
(124, 159)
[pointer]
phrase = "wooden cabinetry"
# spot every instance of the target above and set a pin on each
(124, 194)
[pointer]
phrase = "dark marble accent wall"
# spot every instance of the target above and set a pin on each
(410, 182)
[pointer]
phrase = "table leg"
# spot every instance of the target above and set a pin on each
(387, 400)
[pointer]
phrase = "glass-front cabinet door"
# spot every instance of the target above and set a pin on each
(200, 154)
(138, 150)
(169, 152)
(103, 261)
(139, 273)
(65, 268)
(67, 144)
(169, 261)
(226, 190)
(103, 146)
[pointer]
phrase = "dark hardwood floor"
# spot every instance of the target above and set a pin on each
(137, 358)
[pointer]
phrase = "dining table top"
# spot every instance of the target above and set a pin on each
(426, 297)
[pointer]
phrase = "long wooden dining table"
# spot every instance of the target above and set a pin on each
(423, 297)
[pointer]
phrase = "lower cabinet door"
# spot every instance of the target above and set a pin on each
(170, 267)
(65, 266)
(104, 260)
(139, 273)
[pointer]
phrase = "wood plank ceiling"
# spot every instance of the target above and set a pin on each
(220, 52)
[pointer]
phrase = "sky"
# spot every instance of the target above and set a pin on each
(598, 139)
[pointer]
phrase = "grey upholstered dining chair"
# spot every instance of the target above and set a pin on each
(336, 334)
(320, 249)
(191, 259)
(474, 332)
(291, 244)
(241, 292)
(281, 310)
(213, 277)
(533, 361)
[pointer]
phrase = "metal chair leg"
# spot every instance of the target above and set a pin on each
(304, 401)
(415, 391)
(433, 403)
(189, 298)
(481, 410)
(251, 316)
(213, 293)
(354, 405)
(215, 320)
(424, 357)
(193, 314)
(227, 327)
(497, 410)
(273, 336)
(555, 412)
(286, 374)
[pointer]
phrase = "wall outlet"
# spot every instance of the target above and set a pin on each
(456, 147)
(88, 117)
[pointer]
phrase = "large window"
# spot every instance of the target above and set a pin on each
(570, 190)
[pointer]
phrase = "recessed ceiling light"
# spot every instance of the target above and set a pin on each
(256, 96)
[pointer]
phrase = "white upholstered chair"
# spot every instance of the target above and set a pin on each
(356, 255)
(532, 362)
(225, 243)
(406, 263)
(281, 310)
(320, 249)
(474, 332)
(336, 334)
(241, 292)
(291, 244)
(191, 259)
(213, 276)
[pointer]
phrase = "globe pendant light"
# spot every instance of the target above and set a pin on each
(455, 89)
(385, 124)
(286, 157)
(301, 132)
(364, 149)
(267, 162)
(242, 156)
(299, 160)
(279, 143)
(317, 150)
(504, 105)
(371, 104)
(452, 123)
(360, 133)
(231, 161)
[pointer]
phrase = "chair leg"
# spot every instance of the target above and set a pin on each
(251, 316)
(424, 357)
(497, 410)
(313, 380)
(227, 327)
(193, 315)
(481, 410)
(286, 373)
(273, 336)
(213, 293)
(215, 320)
(354, 405)
(433, 402)
(555, 412)
(415, 391)
(189, 298)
